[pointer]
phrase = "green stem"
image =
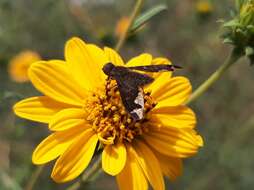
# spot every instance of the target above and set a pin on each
(133, 15)
(34, 177)
(234, 56)
(87, 175)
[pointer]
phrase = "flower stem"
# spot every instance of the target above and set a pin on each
(133, 15)
(34, 177)
(87, 175)
(234, 56)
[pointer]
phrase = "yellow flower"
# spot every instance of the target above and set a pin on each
(204, 7)
(83, 108)
(121, 26)
(18, 66)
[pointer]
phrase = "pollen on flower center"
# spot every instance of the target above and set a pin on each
(109, 118)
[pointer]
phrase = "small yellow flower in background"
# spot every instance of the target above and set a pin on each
(121, 26)
(18, 65)
(204, 7)
(83, 108)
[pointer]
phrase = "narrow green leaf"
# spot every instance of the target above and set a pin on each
(146, 16)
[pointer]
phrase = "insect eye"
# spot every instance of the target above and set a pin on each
(107, 68)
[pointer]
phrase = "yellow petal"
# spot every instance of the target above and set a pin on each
(141, 60)
(85, 62)
(132, 176)
(173, 142)
(52, 78)
(178, 117)
(159, 82)
(40, 108)
(55, 145)
(193, 134)
(150, 165)
(68, 118)
(76, 158)
(99, 56)
(113, 56)
(161, 61)
(114, 158)
(171, 92)
(171, 167)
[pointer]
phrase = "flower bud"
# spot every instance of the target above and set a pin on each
(240, 30)
(246, 16)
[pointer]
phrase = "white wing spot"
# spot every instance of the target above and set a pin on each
(140, 101)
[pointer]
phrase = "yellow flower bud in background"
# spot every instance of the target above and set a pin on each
(121, 26)
(19, 65)
(204, 7)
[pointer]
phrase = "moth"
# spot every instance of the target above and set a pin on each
(130, 84)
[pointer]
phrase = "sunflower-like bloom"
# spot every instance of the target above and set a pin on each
(18, 66)
(84, 110)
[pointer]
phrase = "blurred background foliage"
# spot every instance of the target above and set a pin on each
(186, 34)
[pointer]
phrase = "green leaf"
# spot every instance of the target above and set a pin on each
(251, 29)
(249, 51)
(228, 41)
(232, 23)
(146, 16)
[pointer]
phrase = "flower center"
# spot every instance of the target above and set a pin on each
(109, 118)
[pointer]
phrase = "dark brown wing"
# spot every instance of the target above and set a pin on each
(130, 87)
(155, 68)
